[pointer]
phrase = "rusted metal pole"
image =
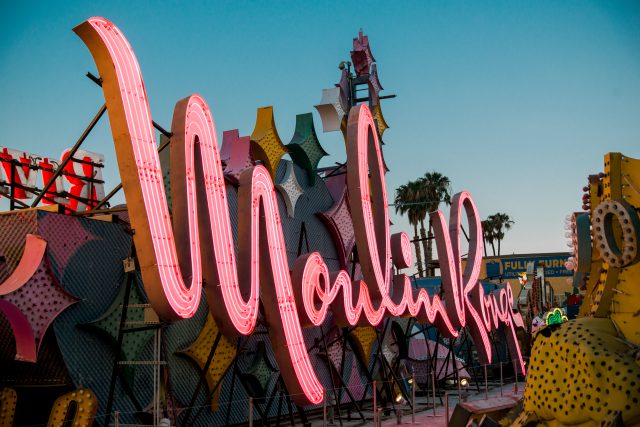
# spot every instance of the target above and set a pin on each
(159, 128)
(119, 186)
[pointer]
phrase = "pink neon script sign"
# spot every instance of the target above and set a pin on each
(201, 231)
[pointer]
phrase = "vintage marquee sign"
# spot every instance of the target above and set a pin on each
(83, 174)
(200, 246)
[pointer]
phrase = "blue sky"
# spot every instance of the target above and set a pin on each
(516, 102)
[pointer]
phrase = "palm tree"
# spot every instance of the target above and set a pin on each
(407, 202)
(501, 223)
(489, 235)
(436, 188)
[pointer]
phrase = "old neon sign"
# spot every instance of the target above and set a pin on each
(19, 173)
(201, 231)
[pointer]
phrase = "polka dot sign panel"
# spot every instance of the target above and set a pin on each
(580, 372)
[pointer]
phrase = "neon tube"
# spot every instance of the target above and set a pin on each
(199, 248)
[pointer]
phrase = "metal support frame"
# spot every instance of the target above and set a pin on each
(301, 413)
(279, 406)
(13, 201)
(396, 380)
(333, 384)
(72, 153)
(467, 344)
(379, 357)
(304, 239)
(269, 402)
(235, 374)
(233, 381)
(343, 386)
(211, 392)
(101, 211)
(343, 358)
(116, 367)
(433, 361)
(279, 391)
(394, 368)
(38, 192)
(98, 81)
(13, 189)
(289, 405)
(479, 372)
(129, 279)
(201, 377)
(157, 380)
(118, 187)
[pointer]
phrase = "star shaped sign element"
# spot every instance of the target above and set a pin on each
(235, 154)
(266, 145)
(224, 355)
(338, 220)
(290, 189)
(31, 298)
(304, 148)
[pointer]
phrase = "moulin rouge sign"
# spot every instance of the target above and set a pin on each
(200, 246)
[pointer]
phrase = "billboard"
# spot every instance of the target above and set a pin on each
(554, 265)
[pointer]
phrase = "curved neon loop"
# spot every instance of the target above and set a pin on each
(462, 283)
(140, 170)
(199, 248)
(156, 242)
(257, 193)
(401, 250)
(368, 199)
(193, 126)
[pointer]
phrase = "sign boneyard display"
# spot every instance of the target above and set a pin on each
(234, 286)
(188, 245)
